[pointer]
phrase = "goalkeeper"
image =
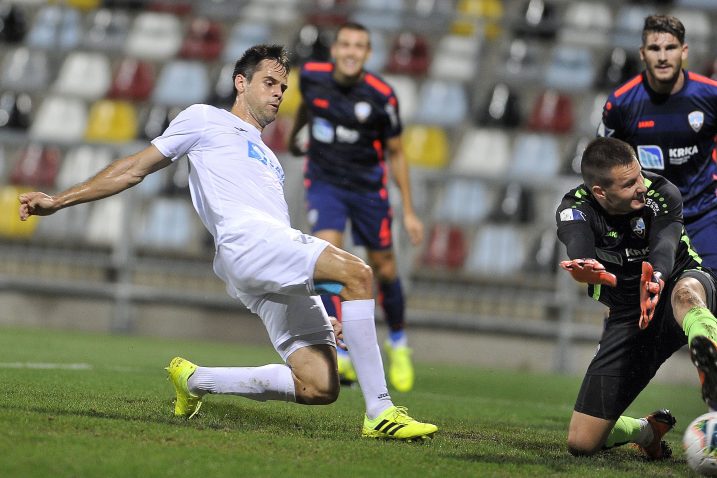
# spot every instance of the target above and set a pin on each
(624, 236)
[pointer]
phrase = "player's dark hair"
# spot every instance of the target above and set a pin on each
(353, 26)
(663, 24)
(600, 156)
(249, 61)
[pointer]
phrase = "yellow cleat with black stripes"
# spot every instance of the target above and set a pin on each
(395, 424)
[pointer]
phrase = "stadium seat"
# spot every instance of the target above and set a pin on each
(456, 58)
(84, 4)
(80, 163)
(242, 36)
(276, 12)
(496, 251)
(446, 247)
(36, 167)
(68, 227)
(425, 146)
(328, 13)
(409, 55)
(13, 23)
(168, 225)
(466, 202)
(204, 40)
(85, 75)
(587, 24)
(543, 252)
(108, 30)
(292, 97)
(535, 156)
(552, 113)
(514, 205)
(55, 28)
(157, 119)
(11, 227)
(537, 19)
(223, 94)
(182, 83)
(174, 7)
(384, 15)
(178, 183)
(619, 66)
(223, 10)
(483, 153)
(474, 17)
(25, 70)
(133, 80)
(523, 62)
(379, 52)
(59, 120)
(276, 134)
(15, 110)
(405, 89)
(629, 20)
(106, 226)
(501, 108)
(154, 36)
(443, 103)
(704, 5)
(125, 4)
(571, 164)
(570, 69)
(111, 121)
(591, 112)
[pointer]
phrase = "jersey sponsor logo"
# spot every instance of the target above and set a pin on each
(636, 254)
(322, 130)
(604, 131)
(696, 119)
(362, 110)
(572, 214)
(304, 239)
(651, 157)
(682, 155)
(346, 135)
(255, 152)
(646, 124)
(638, 227)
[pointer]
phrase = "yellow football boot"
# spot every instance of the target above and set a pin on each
(187, 404)
(395, 424)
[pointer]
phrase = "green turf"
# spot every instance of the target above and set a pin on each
(113, 418)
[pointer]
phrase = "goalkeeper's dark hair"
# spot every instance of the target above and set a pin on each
(600, 156)
(353, 26)
(249, 61)
(663, 24)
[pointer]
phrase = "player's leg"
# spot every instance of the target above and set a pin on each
(693, 302)
(355, 279)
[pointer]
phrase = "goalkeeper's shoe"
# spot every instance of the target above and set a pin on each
(703, 352)
(400, 370)
(661, 421)
(347, 374)
(187, 404)
(395, 424)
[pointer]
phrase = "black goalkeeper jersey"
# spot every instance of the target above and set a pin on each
(621, 243)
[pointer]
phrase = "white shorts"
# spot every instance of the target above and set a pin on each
(269, 267)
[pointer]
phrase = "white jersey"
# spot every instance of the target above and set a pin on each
(234, 177)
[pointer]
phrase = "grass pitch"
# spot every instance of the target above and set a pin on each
(82, 405)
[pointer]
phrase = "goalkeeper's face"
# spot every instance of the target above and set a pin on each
(627, 191)
(350, 51)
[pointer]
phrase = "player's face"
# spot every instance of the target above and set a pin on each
(627, 191)
(663, 55)
(263, 94)
(350, 52)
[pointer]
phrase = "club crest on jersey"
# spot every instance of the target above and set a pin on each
(651, 157)
(638, 227)
(696, 119)
(362, 110)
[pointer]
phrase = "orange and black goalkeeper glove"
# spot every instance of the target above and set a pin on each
(589, 271)
(651, 284)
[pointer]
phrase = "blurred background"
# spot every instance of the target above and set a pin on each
(498, 99)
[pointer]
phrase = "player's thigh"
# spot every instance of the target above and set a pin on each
(293, 322)
(371, 219)
(326, 208)
(587, 434)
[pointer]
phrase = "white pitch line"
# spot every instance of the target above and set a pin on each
(46, 366)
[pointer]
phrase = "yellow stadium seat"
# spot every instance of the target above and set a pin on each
(10, 224)
(83, 4)
(111, 122)
(425, 146)
(472, 13)
(292, 97)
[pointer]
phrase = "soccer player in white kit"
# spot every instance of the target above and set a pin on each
(236, 184)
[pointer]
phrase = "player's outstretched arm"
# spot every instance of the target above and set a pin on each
(589, 271)
(118, 176)
(301, 119)
(399, 171)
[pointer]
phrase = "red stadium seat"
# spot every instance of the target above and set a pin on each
(410, 55)
(204, 40)
(133, 80)
(552, 112)
(446, 247)
(37, 167)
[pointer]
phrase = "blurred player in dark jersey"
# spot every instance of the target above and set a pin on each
(354, 135)
(624, 235)
(669, 116)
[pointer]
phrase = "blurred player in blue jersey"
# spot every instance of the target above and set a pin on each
(354, 127)
(669, 116)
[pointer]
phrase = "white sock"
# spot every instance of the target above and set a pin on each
(360, 338)
(269, 382)
(646, 434)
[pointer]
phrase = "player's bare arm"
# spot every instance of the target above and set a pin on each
(399, 171)
(301, 119)
(118, 176)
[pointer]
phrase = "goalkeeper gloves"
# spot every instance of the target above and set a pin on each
(651, 284)
(589, 271)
